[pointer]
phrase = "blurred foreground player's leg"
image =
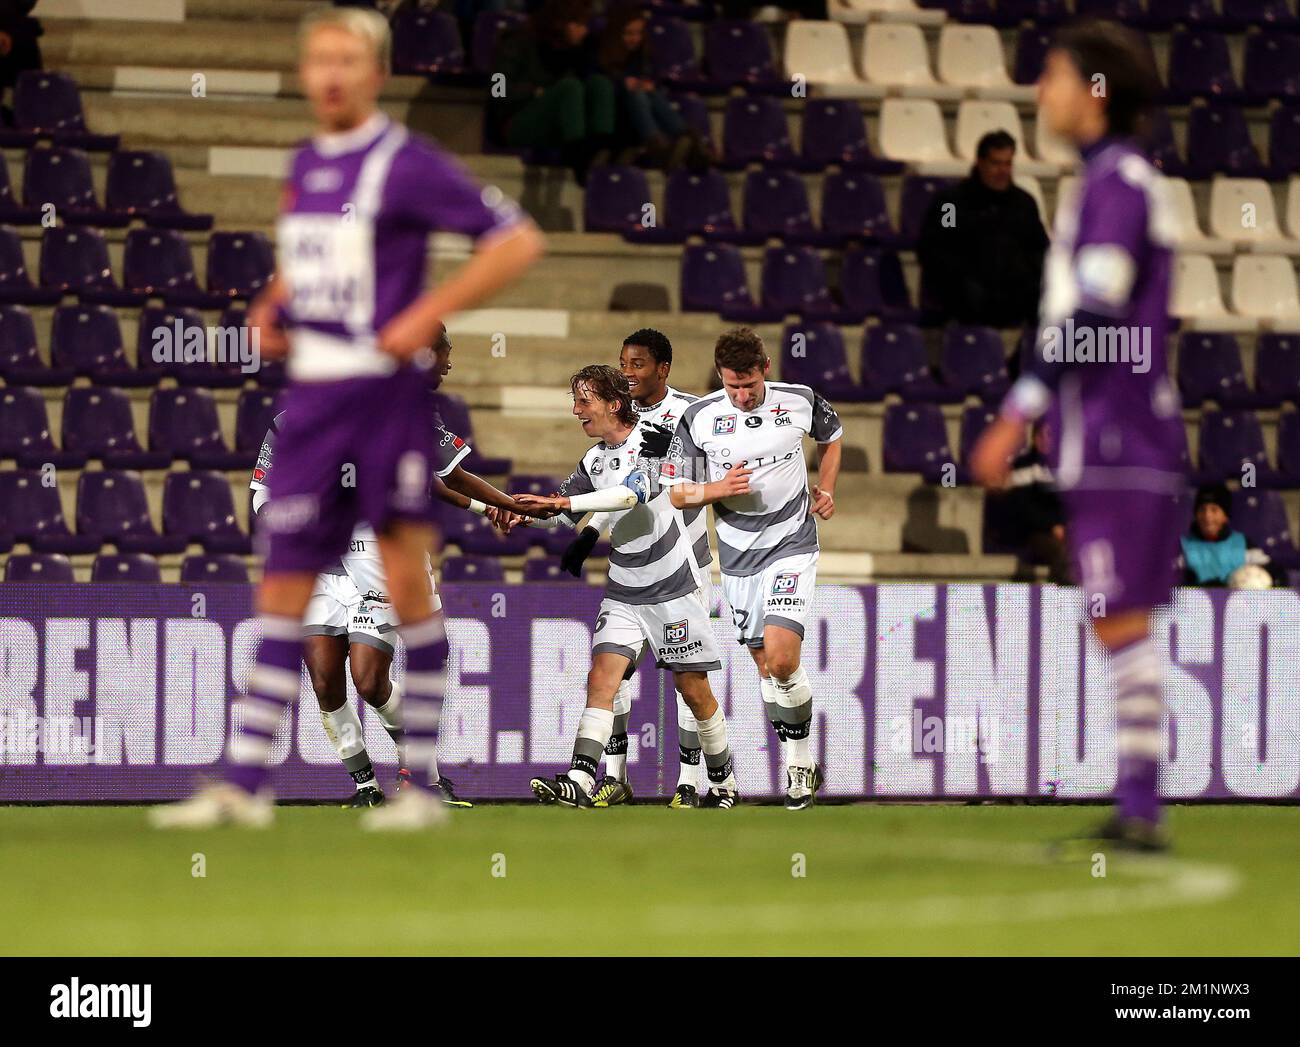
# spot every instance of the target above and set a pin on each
(362, 199)
(1100, 364)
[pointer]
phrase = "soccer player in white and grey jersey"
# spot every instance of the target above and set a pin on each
(652, 594)
(646, 360)
(741, 451)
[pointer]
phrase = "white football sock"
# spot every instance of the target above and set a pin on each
(795, 693)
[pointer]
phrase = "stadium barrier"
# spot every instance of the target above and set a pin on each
(119, 692)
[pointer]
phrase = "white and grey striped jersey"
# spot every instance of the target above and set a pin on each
(650, 558)
(667, 413)
(714, 436)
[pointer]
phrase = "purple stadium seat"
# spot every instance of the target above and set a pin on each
(234, 323)
(713, 279)
(488, 27)
(39, 567)
(1210, 368)
(1163, 14)
(141, 184)
(33, 513)
(253, 417)
(980, 11)
(917, 192)
(1229, 441)
(894, 360)
(473, 534)
(872, 284)
(1046, 12)
(1284, 143)
(834, 132)
(126, 567)
(1261, 517)
(532, 483)
(20, 359)
(1277, 367)
(614, 200)
(221, 567)
(1115, 10)
(974, 362)
(1032, 45)
(198, 507)
(11, 211)
(1269, 15)
(700, 202)
(61, 176)
(157, 334)
(794, 282)
(74, 260)
(1218, 142)
(1161, 145)
(755, 131)
(1288, 450)
(672, 53)
(916, 441)
(239, 264)
(87, 340)
(695, 111)
(25, 432)
(428, 43)
(813, 354)
(853, 207)
(97, 423)
(739, 53)
(456, 417)
(112, 504)
(776, 205)
(548, 570)
(472, 569)
(1199, 67)
(158, 264)
(1272, 67)
(48, 104)
(183, 423)
(15, 282)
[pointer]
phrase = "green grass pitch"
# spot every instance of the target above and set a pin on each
(864, 879)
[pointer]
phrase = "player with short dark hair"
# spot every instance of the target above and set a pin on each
(1119, 442)
(741, 450)
(652, 594)
(349, 307)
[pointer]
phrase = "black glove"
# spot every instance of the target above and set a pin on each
(579, 549)
(655, 440)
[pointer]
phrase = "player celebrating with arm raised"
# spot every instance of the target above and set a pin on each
(1120, 441)
(349, 305)
(652, 595)
(741, 451)
(646, 360)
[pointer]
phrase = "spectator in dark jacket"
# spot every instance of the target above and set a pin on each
(1212, 550)
(19, 33)
(552, 93)
(982, 244)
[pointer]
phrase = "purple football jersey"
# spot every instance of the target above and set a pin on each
(1100, 364)
(353, 236)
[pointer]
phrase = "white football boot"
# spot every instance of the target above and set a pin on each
(411, 810)
(219, 803)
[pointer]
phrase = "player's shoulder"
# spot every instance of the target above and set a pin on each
(277, 421)
(1121, 171)
(804, 392)
(704, 406)
(680, 397)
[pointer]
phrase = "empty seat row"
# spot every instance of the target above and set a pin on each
(1231, 15)
(125, 567)
(1263, 290)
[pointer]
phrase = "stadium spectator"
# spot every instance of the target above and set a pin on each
(555, 96)
(646, 120)
(19, 33)
(982, 244)
(1034, 505)
(1212, 550)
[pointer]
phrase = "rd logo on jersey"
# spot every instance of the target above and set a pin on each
(785, 583)
(725, 425)
(676, 632)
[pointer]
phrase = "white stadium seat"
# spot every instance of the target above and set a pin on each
(912, 130)
(820, 52)
(1189, 235)
(857, 11)
(1264, 287)
(1293, 207)
(896, 58)
(1242, 212)
(971, 57)
(976, 118)
(1196, 299)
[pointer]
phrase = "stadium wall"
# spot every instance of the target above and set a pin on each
(119, 693)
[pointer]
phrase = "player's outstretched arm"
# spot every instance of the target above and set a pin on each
(498, 262)
(474, 487)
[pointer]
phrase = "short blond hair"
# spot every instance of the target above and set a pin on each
(368, 24)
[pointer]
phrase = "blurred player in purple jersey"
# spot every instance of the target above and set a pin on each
(1100, 368)
(349, 306)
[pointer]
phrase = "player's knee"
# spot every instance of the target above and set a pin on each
(329, 694)
(371, 685)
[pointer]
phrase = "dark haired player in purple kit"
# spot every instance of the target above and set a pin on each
(1121, 443)
(349, 306)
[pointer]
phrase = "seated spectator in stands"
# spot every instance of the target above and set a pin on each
(552, 93)
(19, 49)
(1032, 502)
(1212, 550)
(654, 130)
(982, 244)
